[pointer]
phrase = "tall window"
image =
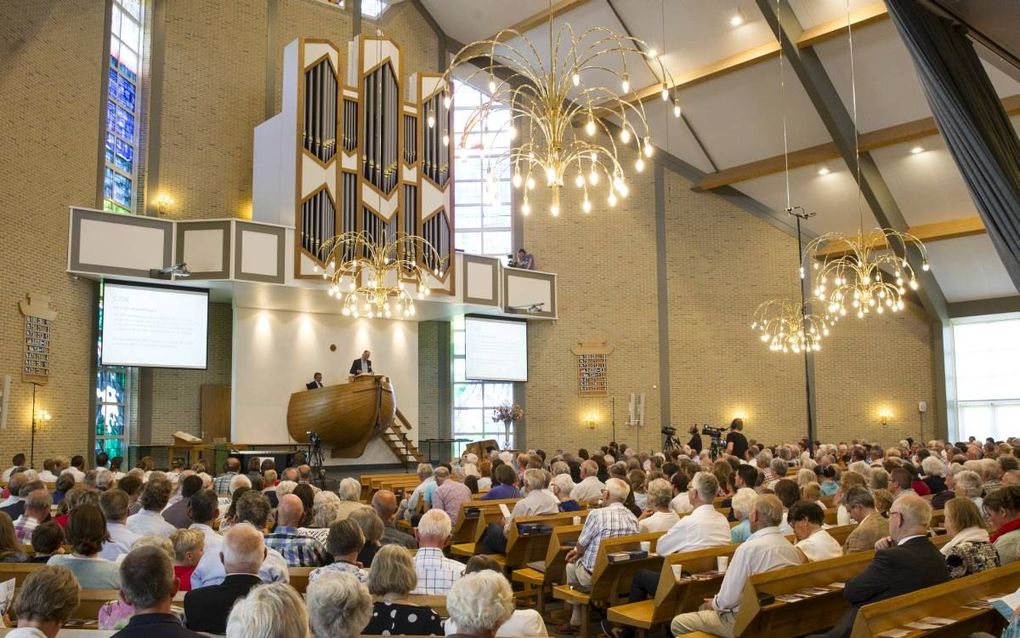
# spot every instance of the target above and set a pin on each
(987, 357)
(473, 401)
(120, 181)
(483, 204)
(114, 389)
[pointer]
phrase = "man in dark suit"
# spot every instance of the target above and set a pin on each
(207, 608)
(147, 582)
(362, 365)
(905, 561)
(316, 382)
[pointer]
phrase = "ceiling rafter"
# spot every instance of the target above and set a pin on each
(838, 122)
(880, 138)
(832, 28)
(927, 233)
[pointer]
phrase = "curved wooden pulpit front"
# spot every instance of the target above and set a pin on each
(346, 416)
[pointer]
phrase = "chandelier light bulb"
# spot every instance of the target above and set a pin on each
(446, 140)
(589, 128)
(611, 199)
(925, 267)
(579, 180)
(624, 135)
(513, 132)
(492, 84)
(517, 180)
(736, 20)
(431, 119)
(550, 175)
(525, 208)
(652, 53)
(593, 177)
(586, 204)
(665, 92)
(530, 183)
(648, 147)
(447, 101)
(676, 109)
(576, 78)
(639, 165)
(625, 84)
(555, 210)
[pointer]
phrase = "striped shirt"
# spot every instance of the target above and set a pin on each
(606, 522)
(299, 551)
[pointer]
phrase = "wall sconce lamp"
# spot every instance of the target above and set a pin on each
(742, 416)
(163, 204)
(589, 422)
(883, 416)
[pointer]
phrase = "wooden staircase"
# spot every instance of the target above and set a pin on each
(396, 439)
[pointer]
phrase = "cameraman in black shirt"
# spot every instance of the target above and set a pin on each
(736, 442)
(695, 442)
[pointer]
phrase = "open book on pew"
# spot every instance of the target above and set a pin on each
(1007, 605)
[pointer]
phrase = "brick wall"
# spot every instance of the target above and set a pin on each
(721, 263)
(52, 59)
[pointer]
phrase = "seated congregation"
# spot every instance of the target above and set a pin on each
(780, 542)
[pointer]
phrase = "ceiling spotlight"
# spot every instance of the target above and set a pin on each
(916, 150)
(824, 170)
(736, 19)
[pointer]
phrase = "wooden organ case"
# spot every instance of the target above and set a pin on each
(354, 151)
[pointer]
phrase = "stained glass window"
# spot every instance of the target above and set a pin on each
(483, 208)
(474, 401)
(113, 400)
(120, 192)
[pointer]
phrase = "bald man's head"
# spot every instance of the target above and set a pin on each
(244, 549)
(384, 502)
(290, 511)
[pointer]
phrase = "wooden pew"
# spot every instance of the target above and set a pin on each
(89, 602)
(806, 616)
(942, 601)
(299, 578)
(538, 581)
(609, 580)
(18, 571)
(524, 549)
(674, 597)
(470, 526)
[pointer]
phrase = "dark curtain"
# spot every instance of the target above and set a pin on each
(972, 121)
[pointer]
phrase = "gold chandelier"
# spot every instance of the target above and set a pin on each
(378, 275)
(558, 112)
(864, 275)
(788, 327)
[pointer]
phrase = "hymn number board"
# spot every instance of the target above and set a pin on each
(592, 377)
(39, 318)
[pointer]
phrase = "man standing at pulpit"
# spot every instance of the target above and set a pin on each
(316, 382)
(362, 365)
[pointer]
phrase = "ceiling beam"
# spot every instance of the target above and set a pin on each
(830, 29)
(897, 134)
(927, 233)
(833, 113)
(980, 307)
(527, 24)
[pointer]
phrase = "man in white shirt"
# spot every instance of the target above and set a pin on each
(149, 521)
(75, 469)
(203, 511)
(658, 517)
(409, 508)
(47, 475)
(765, 550)
(815, 543)
(114, 504)
(253, 507)
(436, 573)
(537, 501)
(18, 461)
(590, 488)
(704, 527)
(37, 509)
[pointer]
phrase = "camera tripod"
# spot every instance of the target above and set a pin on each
(315, 460)
(671, 443)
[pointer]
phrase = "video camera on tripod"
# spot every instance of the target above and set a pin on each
(715, 435)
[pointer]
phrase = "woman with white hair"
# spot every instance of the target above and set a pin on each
(743, 503)
(934, 471)
(338, 606)
(269, 611)
(562, 486)
(658, 517)
(479, 604)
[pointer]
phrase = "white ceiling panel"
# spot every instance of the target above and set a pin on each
(739, 116)
(696, 32)
(927, 185)
(833, 197)
(470, 20)
(672, 134)
(969, 268)
(811, 13)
